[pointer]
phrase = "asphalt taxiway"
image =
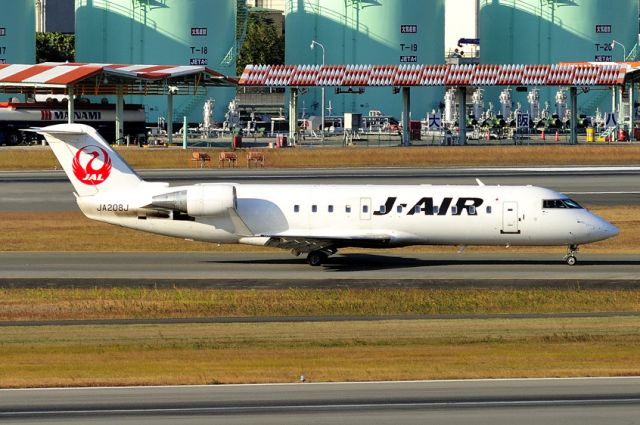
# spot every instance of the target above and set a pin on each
(587, 401)
(282, 270)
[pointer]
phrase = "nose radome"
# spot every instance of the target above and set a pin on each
(610, 230)
(599, 228)
(604, 228)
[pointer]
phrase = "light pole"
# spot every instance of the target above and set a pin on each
(313, 43)
(624, 49)
(624, 52)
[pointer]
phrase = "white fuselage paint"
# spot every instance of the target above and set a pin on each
(318, 219)
(511, 215)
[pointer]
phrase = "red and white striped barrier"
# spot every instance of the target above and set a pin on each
(570, 74)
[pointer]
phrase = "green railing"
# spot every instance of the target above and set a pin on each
(196, 100)
(242, 21)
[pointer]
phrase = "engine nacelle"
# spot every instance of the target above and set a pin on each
(199, 200)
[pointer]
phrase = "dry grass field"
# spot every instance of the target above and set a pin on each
(143, 303)
(85, 355)
(429, 156)
(322, 351)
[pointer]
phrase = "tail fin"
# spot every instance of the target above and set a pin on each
(90, 163)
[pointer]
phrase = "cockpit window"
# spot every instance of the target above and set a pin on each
(560, 203)
(570, 203)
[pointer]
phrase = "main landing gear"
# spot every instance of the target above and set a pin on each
(317, 258)
(570, 258)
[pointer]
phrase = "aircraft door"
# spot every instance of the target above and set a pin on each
(365, 208)
(510, 217)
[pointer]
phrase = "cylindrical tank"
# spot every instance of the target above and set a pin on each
(450, 112)
(533, 97)
(552, 31)
(477, 100)
(505, 103)
(366, 32)
(18, 32)
(561, 103)
(175, 32)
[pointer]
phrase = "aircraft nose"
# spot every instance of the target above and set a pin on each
(604, 229)
(609, 230)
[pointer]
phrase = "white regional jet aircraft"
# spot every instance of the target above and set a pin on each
(318, 219)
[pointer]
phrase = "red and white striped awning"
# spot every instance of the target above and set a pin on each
(580, 74)
(63, 75)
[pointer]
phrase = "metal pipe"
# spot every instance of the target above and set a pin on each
(462, 115)
(119, 114)
(624, 49)
(406, 117)
(39, 19)
(184, 132)
(620, 117)
(71, 108)
(170, 117)
(293, 117)
(631, 121)
(573, 100)
(313, 43)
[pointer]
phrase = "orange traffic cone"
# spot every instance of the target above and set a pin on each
(542, 135)
(557, 139)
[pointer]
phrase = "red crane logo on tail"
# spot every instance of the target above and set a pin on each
(86, 173)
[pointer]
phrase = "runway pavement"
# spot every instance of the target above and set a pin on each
(50, 190)
(282, 270)
(536, 401)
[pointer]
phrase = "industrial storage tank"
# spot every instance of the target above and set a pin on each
(18, 32)
(553, 31)
(366, 32)
(175, 32)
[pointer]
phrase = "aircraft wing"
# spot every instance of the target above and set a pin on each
(318, 241)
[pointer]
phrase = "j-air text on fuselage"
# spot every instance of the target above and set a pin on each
(317, 220)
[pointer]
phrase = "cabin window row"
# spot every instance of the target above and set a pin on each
(399, 209)
(330, 209)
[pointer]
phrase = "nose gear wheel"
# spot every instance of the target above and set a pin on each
(570, 258)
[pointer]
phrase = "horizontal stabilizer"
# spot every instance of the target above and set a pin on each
(49, 130)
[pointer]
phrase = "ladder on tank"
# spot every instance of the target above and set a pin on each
(242, 21)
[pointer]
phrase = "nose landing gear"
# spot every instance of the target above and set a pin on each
(570, 258)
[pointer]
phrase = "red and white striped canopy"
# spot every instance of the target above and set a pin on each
(57, 75)
(570, 74)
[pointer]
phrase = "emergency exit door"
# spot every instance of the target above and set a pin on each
(510, 217)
